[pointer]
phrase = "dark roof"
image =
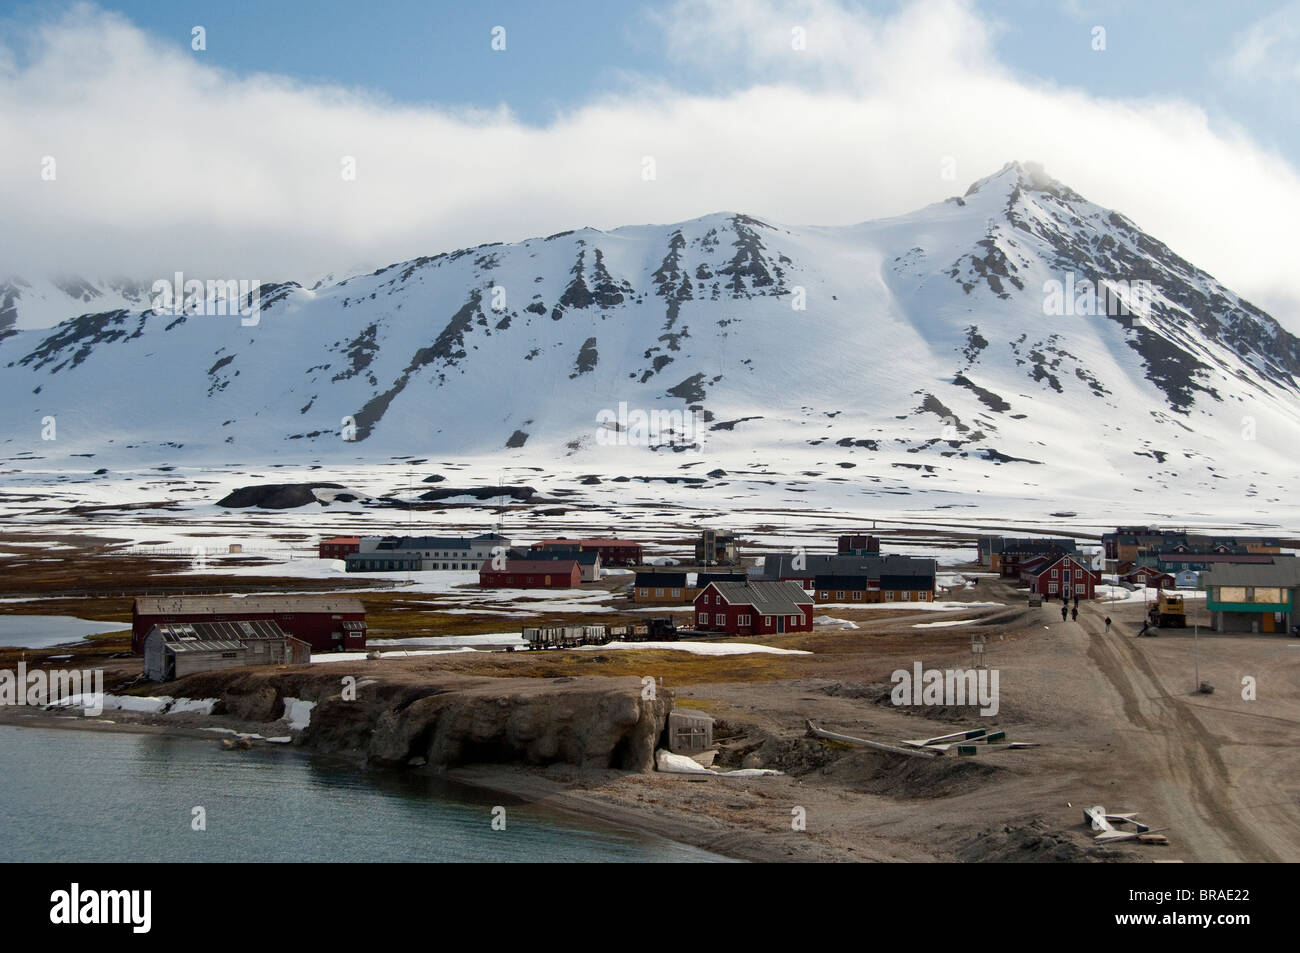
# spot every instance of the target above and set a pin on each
(246, 605)
(1026, 544)
(871, 565)
(907, 582)
(1282, 574)
(217, 636)
(1037, 568)
(767, 598)
(704, 578)
(1222, 558)
(584, 557)
(589, 543)
(671, 580)
(839, 582)
(530, 566)
(422, 542)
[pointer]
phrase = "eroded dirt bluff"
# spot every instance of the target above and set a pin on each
(447, 720)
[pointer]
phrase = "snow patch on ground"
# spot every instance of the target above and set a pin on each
(827, 620)
(696, 648)
(671, 763)
(298, 713)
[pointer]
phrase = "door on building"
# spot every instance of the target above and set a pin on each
(780, 623)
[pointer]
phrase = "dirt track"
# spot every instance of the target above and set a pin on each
(1176, 742)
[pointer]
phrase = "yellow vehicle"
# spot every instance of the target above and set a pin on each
(1167, 612)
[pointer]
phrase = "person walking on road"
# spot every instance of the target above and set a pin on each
(1064, 613)
(1107, 625)
(1074, 613)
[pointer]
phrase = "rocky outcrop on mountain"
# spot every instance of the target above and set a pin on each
(280, 496)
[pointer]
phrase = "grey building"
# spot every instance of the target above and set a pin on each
(174, 650)
(588, 560)
(418, 553)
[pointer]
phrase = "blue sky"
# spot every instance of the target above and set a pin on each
(560, 55)
(228, 158)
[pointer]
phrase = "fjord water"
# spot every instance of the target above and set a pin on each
(81, 796)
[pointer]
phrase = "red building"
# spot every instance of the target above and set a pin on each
(531, 574)
(858, 544)
(613, 552)
(1150, 577)
(753, 608)
(1060, 575)
(327, 624)
(339, 547)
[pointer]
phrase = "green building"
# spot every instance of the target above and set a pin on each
(1253, 598)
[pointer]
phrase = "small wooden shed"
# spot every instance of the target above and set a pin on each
(689, 732)
(179, 649)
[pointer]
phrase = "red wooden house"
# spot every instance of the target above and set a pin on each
(1059, 575)
(339, 547)
(753, 608)
(531, 574)
(613, 552)
(1150, 577)
(326, 623)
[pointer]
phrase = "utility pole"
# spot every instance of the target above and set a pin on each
(1196, 654)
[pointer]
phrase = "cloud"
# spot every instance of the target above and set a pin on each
(1269, 49)
(165, 163)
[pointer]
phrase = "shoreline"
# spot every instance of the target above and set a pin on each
(527, 784)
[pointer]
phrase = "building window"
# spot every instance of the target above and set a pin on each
(744, 620)
(1079, 587)
(907, 597)
(1054, 572)
(825, 594)
(839, 594)
(889, 596)
(767, 620)
(1051, 587)
(706, 599)
(677, 593)
(857, 595)
(645, 592)
(720, 618)
(659, 593)
(704, 618)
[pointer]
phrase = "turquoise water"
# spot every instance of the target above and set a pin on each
(79, 796)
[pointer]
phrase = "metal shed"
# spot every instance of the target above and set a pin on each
(178, 649)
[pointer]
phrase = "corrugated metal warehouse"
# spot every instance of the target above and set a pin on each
(326, 623)
(176, 650)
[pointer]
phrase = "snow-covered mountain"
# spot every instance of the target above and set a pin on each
(924, 344)
(26, 305)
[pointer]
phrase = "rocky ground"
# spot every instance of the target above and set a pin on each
(1115, 719)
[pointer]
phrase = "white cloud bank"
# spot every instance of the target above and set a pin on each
(165, 163)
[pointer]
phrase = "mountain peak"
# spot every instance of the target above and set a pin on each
(1022, 176)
